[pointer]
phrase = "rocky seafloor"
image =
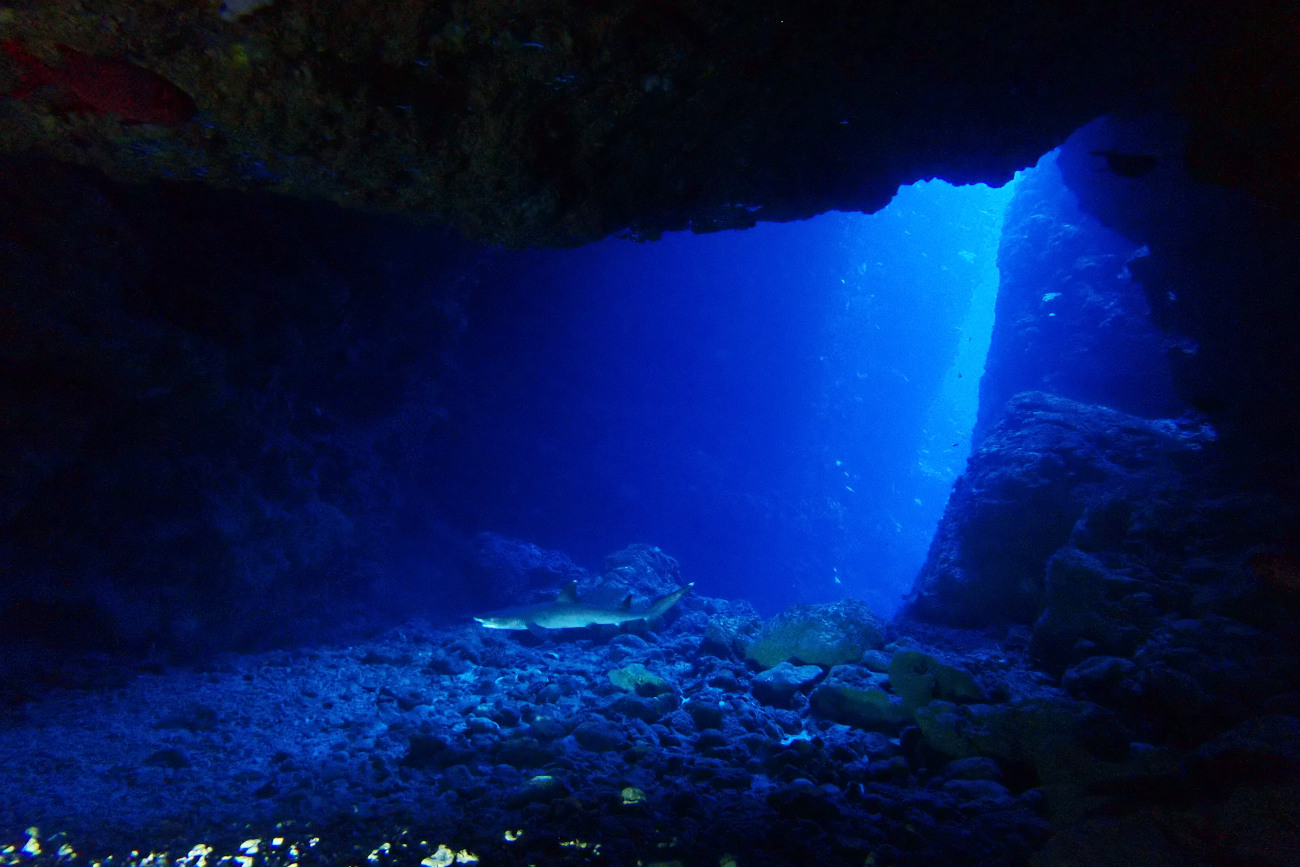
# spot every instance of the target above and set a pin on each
(636, 746)
(822, 736)
(1116, 682)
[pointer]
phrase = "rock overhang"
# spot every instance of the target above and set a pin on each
(556, 122)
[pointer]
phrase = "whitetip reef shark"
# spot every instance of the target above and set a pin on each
(566, 612)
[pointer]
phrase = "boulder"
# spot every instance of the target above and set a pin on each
(918, 678)
(1098, 678)
(1083, 615)
(505, 571)
(778, 685)
(1059, 740)
(825, 635)
(643, 568)
(1029, 483)
(599, 736)
(1261, 750)
(846, 697)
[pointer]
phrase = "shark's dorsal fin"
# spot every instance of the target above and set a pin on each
(569, 593)
(626, 604)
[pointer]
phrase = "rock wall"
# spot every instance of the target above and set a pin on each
(1191, 504)
(1070, 320)
(1221, 281)
(207, 402)
(1054, 472)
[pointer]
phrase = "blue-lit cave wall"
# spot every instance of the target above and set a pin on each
(1221, 278)
(1070, 318)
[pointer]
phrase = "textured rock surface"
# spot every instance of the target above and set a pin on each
(824, 635)
(1049, 465)
(918, 679)
(1070, 320)
(556, 121)
(1220, 278)
(529, 746)
(853, 699)
(777, 686)
(509, 571)
(640, 744)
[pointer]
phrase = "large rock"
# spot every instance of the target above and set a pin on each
(640, 680)
(505, 571)
(918, 678)
(849, 698)
(1038, 474)
(824, 635)
(1085, 613)
(777, 686)
(1261, 750)
(1058, 740)
(641, 568)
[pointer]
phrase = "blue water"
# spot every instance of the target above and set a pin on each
(783, 409)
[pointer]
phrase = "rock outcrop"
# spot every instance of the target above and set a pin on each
(558, 122)
(1053, 470)
(1220, 280)
(1070, 319)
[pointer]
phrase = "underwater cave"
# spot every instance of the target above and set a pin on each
(649, 433)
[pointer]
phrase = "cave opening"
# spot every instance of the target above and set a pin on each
(307, 416)
(782, 408)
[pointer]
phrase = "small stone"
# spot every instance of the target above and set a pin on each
(599, 737)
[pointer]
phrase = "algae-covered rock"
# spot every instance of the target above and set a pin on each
(859, 702)
(918, 678)
(640, 680)
(599, 736)
(1099, 678)
(825, 635)
(1060, 739)
(1015, 733)
(705, 714)
(642, 570)
(1266, 749)
(1046, 464)
(876, 660)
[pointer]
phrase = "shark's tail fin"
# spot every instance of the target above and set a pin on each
(668, 600)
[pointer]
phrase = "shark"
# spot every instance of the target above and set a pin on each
(566, 612)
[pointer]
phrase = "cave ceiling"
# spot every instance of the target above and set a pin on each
(556, 122)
